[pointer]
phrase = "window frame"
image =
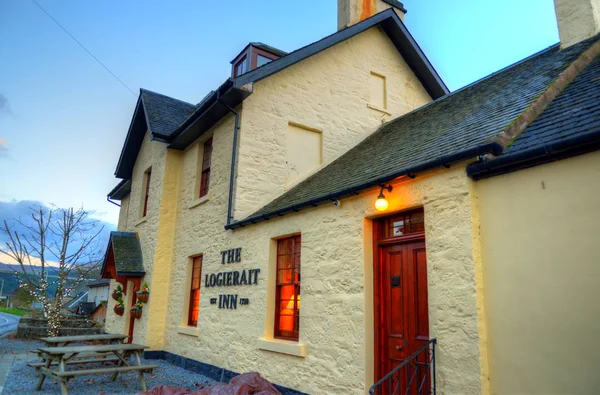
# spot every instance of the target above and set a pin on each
(243, 61)
(295, 282)
(205, 167)
(384, 91)
(415, 228)
(147, 179)
(194, 307)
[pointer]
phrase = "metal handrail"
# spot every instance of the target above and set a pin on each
(430, 370)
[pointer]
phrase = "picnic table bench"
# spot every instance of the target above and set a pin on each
(65, 340)
(64, 356)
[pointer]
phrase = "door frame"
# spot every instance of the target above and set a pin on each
(380, 241)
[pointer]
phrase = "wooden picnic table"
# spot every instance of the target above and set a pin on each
(65, 355)
(65, 340)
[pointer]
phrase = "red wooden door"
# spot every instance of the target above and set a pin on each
(403, 313)
(131, 320)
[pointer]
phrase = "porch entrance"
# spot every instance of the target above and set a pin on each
(401, 305)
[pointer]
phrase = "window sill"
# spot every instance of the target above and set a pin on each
(282, 346)
(199, 201)
(376, 108)
(141, 221)
(188, 330)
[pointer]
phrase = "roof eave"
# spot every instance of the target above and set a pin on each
(444, 161)
(122, 189)
(561, 149)
(123, 170)
(212, 110)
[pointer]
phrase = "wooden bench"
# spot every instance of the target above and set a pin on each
(119, 369)
(65, 340)
(60, 357)
(80, 361)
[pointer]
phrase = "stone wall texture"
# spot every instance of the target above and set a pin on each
(577, 20)
(328, 92)
(152, 154)
(334, 323)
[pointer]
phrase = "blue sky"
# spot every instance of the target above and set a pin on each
(63, 118)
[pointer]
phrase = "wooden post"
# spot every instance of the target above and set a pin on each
(140, 372)
(63, 381)
(43, 375)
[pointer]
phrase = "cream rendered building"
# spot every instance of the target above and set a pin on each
(251, 216)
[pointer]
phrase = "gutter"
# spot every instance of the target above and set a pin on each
(213, 97)
(550, 152)
(443, 161)
(110, 201)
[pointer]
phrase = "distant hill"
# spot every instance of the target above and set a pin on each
(11, 282)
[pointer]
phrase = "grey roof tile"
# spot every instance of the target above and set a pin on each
(268, 48)
(164, 114)
(575, 111)
(127, 252)
(456, 122)
(86, 308)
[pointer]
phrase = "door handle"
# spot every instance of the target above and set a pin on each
(398, 348)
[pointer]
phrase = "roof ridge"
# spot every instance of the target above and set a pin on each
(541, 103)
(163, 95)
(329, 35)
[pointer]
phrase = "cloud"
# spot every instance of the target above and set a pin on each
(3, 147)
(21, 210)
(4, 106)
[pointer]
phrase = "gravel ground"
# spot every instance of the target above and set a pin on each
(14, 346)
(22, 379)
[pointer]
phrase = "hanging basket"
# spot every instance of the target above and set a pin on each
(137, 314)
(143, 296)
(116, 295)
(119, 310)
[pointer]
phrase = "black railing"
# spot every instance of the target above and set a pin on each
(414, 376)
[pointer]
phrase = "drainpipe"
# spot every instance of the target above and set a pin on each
(110, 201)
(236, 129)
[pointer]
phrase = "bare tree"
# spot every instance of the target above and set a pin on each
(62, 243)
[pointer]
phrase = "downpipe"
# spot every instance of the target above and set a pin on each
(236, 128)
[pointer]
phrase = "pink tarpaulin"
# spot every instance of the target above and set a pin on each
(244, 384)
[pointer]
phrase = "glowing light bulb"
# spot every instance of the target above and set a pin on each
(381, 204)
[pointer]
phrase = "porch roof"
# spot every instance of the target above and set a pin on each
(123, 256)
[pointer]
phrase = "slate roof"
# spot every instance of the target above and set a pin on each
(163, 113)
(179, 123)
(268, 48)
(569, 126)
(575, 111)
(457, 122)
(127, 252)
(73, 303)
(86, 308)
(103, 282)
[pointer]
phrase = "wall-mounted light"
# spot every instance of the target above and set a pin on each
(381, 204)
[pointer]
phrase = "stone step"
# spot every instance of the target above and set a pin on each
(35, 332)
(65, 323)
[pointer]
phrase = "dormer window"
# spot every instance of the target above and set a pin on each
(241, 67)
(260, 60)
(253, 56)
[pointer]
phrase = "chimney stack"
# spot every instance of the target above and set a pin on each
(351, 12)
(577, 20)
